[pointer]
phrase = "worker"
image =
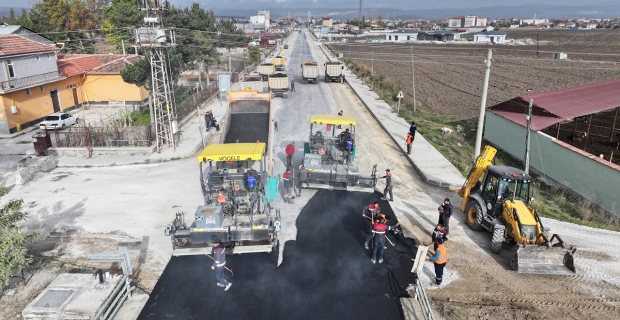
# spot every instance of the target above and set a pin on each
(275, 125)
(409, 142)
(340, 113)
(444, 217)
(219, 261)
(220, 197)
(389, 185)
(440, 259)
(378, 231)
(302, 175)
(413, 129)
(438, 233)
(214, 124)
(240, 169)
(208, 118)
(292, 85)
(379, 216)
(371, 210)
(290, 151)
(288, 186)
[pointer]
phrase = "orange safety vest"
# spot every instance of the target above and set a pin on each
(220, 197)
(443, 254)
(409, 138)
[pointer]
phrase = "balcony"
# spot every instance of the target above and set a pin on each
(28, 82)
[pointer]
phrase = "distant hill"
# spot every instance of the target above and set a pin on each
(609, 9)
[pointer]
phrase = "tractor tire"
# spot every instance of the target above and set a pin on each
(498, 240)
(474, 215)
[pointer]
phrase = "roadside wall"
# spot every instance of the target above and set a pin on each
(579, 172)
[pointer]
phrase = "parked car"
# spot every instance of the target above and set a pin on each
(58, 120)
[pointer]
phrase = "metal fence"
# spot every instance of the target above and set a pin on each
(422, 298)
(115, 301)
(138, 136)
(188, 106)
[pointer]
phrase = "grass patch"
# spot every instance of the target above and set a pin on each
(140, 118)
(458, 148)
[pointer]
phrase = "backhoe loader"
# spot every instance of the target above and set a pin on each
(500, 203)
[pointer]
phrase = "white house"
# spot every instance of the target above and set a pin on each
(402, 35)
(490, 36)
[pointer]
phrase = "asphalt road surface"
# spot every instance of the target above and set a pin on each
(244, 128)
(325, 274)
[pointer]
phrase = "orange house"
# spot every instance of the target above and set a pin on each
(35, 81)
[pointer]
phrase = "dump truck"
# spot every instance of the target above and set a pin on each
(498, 199)
(329, 155)
(279, 62)
(252, 82)
(265, 70)
(278, 85)
(309, 72)
(333, 72)
(237, 184)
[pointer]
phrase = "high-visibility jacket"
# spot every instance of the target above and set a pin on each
(442, 251)
(409, 138)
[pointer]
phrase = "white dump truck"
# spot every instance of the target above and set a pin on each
(310, 72)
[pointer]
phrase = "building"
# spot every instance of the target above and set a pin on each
(327, 22)
(402, 35)
(24, 32)
(441, 35)
(35, 81)
(266, 18)
(574, 134)
(467, 21)
(491, 36)
(533, 22)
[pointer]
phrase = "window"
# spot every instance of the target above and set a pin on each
(9, 66)
(28, 93)
(64, 116)
(42, 88)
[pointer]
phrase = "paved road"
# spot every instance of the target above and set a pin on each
(326, 273)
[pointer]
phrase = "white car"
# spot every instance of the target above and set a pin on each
(58, 120)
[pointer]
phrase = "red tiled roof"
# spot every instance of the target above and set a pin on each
(556, 106)
(75, 64)
(11, 44)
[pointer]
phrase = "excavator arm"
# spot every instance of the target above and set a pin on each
(484, 160)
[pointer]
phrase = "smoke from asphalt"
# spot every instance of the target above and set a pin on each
(325, 273)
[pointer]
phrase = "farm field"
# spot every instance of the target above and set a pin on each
(449, 76)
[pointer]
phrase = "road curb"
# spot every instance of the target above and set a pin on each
(427, 178)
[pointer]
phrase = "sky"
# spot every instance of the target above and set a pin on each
(409, 4)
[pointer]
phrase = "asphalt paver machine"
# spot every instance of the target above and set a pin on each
(237, 209)
(330, 153)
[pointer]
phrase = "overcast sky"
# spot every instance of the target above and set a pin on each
(408, 4)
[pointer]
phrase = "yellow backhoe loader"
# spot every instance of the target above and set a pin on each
(500, 203)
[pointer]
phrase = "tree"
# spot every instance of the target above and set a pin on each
(11, 16)
(254, 53)
(13, 252)
(121, 17)
(380, 21)
(138, 73)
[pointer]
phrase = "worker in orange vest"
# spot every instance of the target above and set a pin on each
(409, 141)
(440, 258)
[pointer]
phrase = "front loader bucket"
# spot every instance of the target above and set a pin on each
(544, 259)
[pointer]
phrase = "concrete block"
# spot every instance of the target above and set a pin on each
(23, 176)
(48, 165)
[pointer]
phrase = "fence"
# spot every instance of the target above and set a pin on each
(115, 301)
(188, 106)
(138, 136)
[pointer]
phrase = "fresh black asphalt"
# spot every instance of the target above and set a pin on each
(248, 127)
(325, 273)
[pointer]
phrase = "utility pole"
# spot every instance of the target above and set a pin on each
(483, 103)
(528, 119)
(229, 62)
(152, 37)
(413, 79)
(123, 45)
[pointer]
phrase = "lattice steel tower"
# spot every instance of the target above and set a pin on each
(155, 40)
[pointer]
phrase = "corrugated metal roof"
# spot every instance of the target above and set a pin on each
(8, 29)
(559, 105)
(11, 45)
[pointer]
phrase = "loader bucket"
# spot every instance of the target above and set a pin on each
(544, 259)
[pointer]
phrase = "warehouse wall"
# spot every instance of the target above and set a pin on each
(581, 173)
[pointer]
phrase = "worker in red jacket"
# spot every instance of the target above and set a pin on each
(290, 151)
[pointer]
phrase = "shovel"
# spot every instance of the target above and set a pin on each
(231, 272)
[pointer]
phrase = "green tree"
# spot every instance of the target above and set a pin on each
(121, 17)
(138, 73)
(254, 53)
(11, 16)
(13, 252)
(380, 21)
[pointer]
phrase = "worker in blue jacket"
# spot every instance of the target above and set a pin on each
(219, 262)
